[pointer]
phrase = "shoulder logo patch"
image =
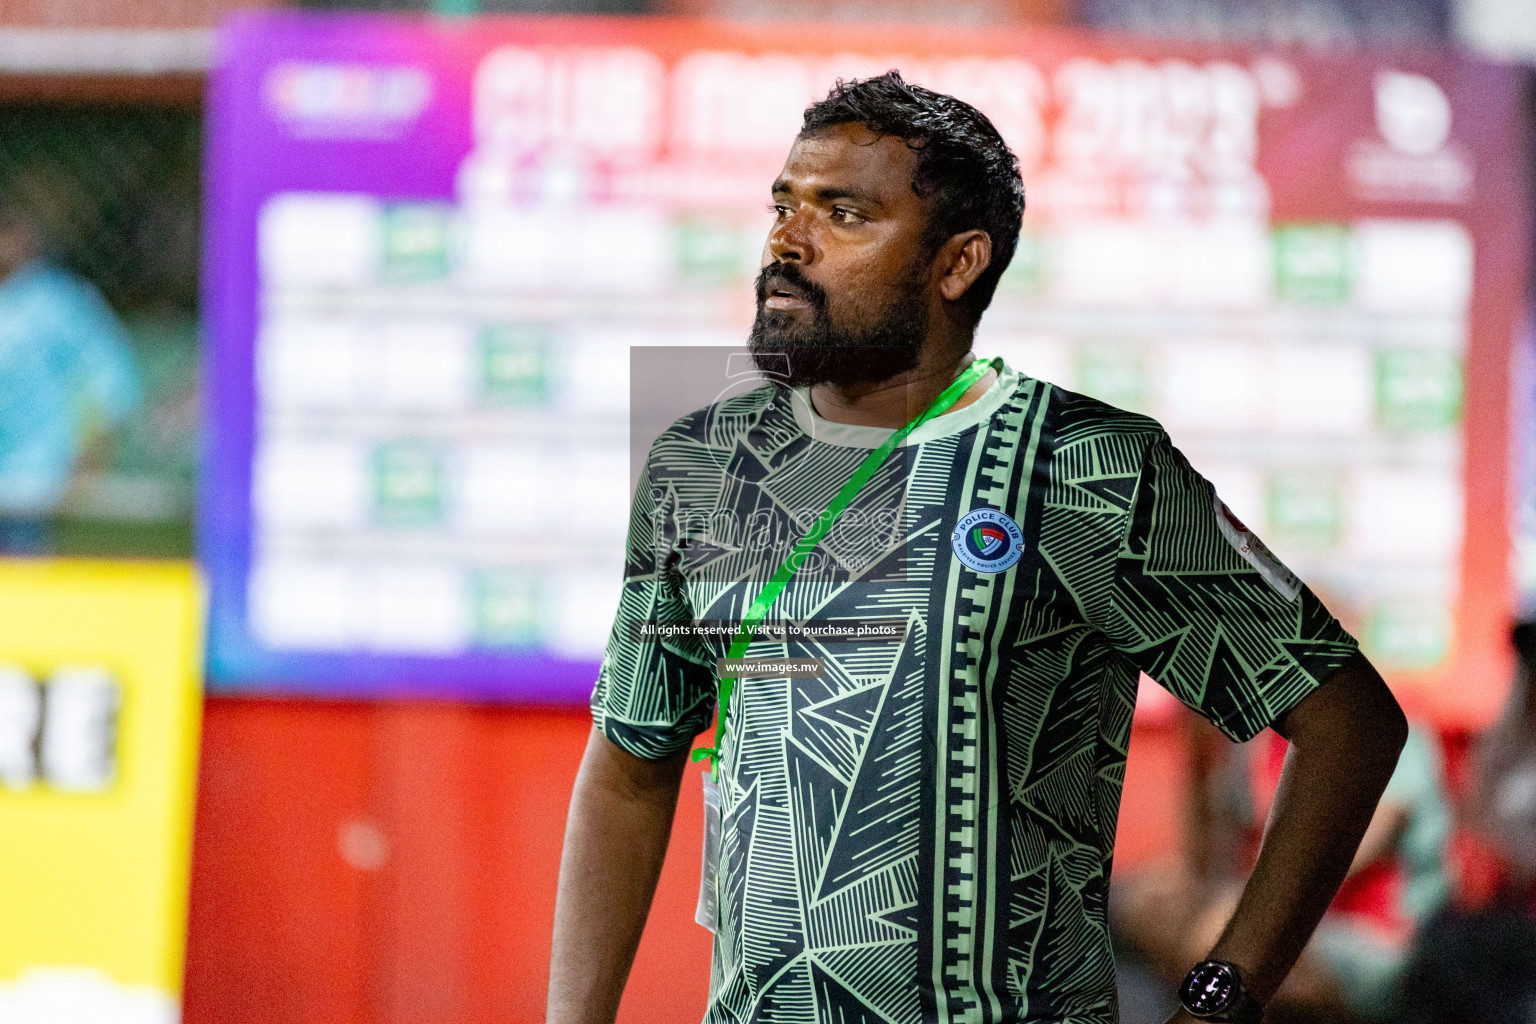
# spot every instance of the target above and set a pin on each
(1285, 582)
(987, 540)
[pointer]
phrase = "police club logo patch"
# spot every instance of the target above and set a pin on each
(987, 540)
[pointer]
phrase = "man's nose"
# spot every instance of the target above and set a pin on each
(788, 242)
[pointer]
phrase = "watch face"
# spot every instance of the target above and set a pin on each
(1210, 988)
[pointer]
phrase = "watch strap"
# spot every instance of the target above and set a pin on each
(1247, 1010)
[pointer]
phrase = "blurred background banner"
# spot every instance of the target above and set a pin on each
(100, 704)
(430, 246)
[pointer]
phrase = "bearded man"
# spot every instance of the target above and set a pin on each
(921, 829)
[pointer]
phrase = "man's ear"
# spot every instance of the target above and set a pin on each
(965, 256)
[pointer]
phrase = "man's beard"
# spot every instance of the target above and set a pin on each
(820, 352)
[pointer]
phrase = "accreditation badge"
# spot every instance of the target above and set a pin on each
(708, 911)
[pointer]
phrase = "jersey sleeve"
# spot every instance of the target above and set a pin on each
(1198, 603)
(652, 696)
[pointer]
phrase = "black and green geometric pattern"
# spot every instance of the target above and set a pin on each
(926, 832)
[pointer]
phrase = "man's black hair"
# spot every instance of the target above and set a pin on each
(964, 168)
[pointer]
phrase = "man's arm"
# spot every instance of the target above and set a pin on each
(615, 840)
(1344, 741)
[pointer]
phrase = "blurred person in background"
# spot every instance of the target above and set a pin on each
(67, 378)
(1504, 782)
(1475, 962)
(1355, 967)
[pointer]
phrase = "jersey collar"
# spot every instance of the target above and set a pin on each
(846, 435)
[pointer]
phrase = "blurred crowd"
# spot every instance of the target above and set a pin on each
(1436, 922)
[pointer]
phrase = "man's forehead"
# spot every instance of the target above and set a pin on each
(851, 158)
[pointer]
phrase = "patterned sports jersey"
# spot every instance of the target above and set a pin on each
(925, 831)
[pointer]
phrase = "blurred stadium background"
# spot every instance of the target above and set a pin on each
(368, 850)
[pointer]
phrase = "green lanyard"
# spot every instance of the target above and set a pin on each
(824, 523)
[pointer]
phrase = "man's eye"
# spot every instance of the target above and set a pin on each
(780, 210)
(845, 215)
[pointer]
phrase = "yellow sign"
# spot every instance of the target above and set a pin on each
(100, 700)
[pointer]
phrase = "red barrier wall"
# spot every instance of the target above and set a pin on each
(452, 817)
(396, 864)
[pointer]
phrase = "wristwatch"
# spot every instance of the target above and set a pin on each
(1213, 990)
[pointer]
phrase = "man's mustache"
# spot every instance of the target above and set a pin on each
(790, 278)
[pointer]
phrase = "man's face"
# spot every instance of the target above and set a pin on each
(845, 289)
